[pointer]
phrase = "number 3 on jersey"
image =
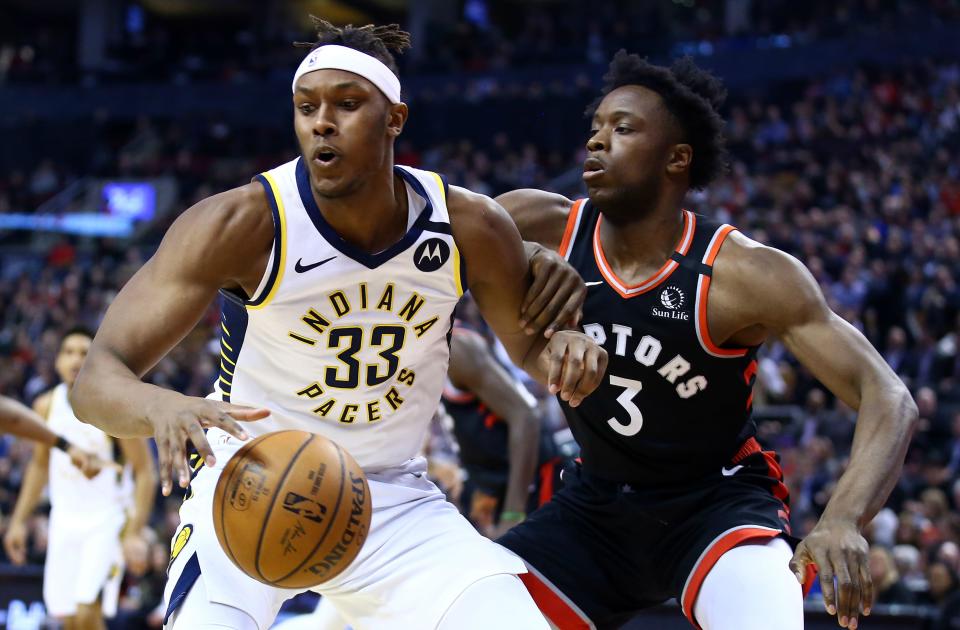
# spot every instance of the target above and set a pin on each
(352, 338)
(631, 389)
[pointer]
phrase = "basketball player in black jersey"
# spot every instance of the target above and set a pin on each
(512, 465)
(675, 498)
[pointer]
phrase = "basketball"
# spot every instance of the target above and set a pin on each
(292, 509)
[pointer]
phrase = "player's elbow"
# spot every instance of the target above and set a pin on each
(910, 414)
(81, 397)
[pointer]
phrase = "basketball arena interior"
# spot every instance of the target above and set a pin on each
(842, 121)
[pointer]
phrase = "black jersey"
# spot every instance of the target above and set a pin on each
(673, 406)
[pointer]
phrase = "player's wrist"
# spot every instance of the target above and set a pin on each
(63, 444)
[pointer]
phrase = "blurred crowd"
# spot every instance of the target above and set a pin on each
(857, 174)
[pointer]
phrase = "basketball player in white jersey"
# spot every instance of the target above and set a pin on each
(91, 532)
(19, 420)
(339, 273)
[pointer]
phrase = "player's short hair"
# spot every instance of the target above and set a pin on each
(76, 330)
(380, 42)
(693, 97)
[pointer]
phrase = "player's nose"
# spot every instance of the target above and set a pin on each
(324, 124)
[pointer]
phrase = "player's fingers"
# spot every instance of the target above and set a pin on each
(199, 440)
(573, 370)
(825, 573)
(244, 413)
(162, 439)
(554, 368)
(866, 584)
(568, 303)
(589, 379)
(540, 277)
(540, 301)
(178, 454)
(848, 589)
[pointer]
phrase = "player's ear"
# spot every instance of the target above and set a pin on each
(396, 119)
(681, 155)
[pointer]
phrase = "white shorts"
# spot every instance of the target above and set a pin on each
(419, 556)
(84, 563)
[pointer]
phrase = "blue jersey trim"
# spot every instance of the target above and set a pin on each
(277, 241)
(371, 261)
(188, 577)
(233, 330)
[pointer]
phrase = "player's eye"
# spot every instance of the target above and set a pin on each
(349, 103)
(622, 129)
(306, 108)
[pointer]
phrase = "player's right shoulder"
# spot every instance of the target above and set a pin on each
(540, 216)
(241, 210)
(41, 404)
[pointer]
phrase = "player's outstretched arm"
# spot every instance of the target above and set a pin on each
(34, 481)
(781, 296)
(223, 241)
(473, 368)
(555, 298)
(569, 363)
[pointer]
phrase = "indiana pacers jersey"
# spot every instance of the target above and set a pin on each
(71, 494)
(673, 405)
(340, 342)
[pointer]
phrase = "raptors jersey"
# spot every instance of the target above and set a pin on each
(673, 405)
(73, 496)
(340, 342)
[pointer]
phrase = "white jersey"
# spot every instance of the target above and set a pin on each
(70, 492)
(340, 342)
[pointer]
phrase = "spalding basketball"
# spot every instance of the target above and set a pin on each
(292, 509)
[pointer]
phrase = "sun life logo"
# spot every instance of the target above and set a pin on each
(672, 298)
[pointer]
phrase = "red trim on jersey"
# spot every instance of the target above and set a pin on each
(627, 291)
(546, 480)
(724, 543)
(749, 447)
(703, 290)
(554, 605)
(773, 468)
(570, 232)
(457, 396)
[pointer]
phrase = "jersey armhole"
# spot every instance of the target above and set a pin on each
(275, 264)
(703, 290)
(570, 232)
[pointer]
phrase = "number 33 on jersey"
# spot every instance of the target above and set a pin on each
(341, 342)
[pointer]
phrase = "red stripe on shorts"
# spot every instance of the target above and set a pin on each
(554, 605)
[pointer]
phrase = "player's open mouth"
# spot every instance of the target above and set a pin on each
(325, 157)
(592, 169)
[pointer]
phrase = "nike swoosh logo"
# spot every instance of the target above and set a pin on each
(301, 268)
(729, 472)
(593, 284)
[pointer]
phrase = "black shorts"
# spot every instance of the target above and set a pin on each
(600, 551)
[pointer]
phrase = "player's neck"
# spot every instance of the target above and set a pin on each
(641, 244)
(372, 218)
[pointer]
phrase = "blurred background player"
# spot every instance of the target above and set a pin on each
(505, 448)
(675, 496)
(96, 524)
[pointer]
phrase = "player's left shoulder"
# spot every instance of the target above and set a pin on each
(760, 277)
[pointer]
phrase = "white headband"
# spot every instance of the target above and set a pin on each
(333, 57)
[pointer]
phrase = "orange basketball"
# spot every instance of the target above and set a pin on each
(292, 509)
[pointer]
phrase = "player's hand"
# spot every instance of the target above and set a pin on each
(555, 298)
(88, 463)
(15, 542)
(136, 551)
(839, 551)
(574, 365)
(184, 420)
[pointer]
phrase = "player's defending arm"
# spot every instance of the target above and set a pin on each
(135, 546)
(498, 274)
(555, 297)
(780, 295)
(473, 368)
(34, 481)
(223, 241)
